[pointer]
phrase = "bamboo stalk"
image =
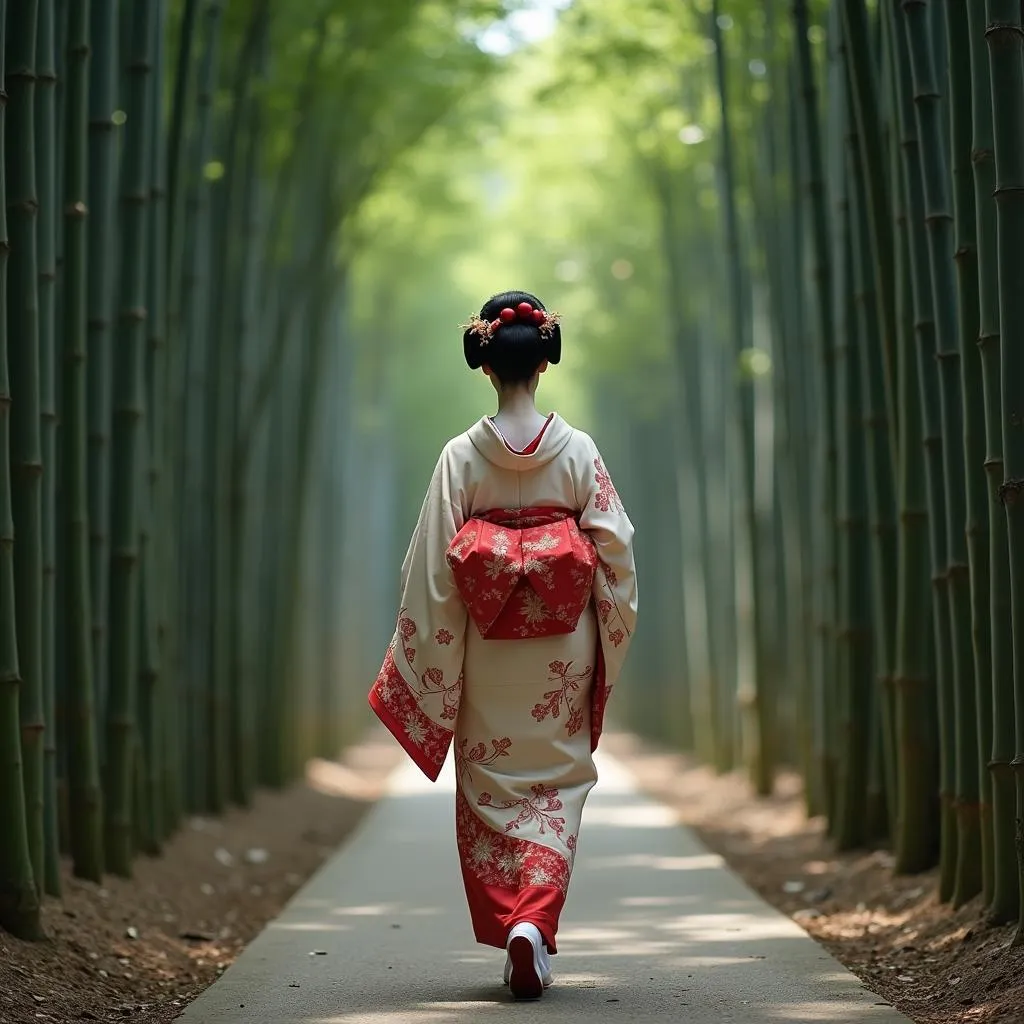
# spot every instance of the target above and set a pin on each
(939, 220)
(85, 797)
(192, 462)
(1005, 34)
(1003, 906)
(19, 898)
(971, 399)
(915, 852)
(824, 598)
(26, 440)
(756, 697)
(46, 150)
(102, 177)
(129, 407)
(861, 66)
(854, 675)
(165, 779)
(880, 435)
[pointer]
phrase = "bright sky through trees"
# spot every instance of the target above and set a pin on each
(534, 21)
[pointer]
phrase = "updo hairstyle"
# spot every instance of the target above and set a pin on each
(517, 348)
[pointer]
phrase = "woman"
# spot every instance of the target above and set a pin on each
(518, 605)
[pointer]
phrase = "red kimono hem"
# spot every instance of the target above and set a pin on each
(425, 765)
(495, 911)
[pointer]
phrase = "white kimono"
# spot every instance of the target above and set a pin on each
(525, 713)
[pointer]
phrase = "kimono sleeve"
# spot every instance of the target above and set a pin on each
(417, 692)
(604, 519)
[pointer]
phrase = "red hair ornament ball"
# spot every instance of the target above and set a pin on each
(525, 312)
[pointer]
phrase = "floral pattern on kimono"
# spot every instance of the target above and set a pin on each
(504, 860)
(429, 641)
(532, 544)
(615, 594)
(416, 694)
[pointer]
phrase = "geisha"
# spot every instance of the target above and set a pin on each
(518, 605)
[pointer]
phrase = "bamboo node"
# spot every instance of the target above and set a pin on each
(998, 27)
(1009, 491)
(1006, 191)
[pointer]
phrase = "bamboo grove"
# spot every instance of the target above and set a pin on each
(845, 303)
(175, 373)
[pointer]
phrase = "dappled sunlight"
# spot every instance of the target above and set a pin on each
(632, 816)
(335, 779)
(319, 927)
(697, 862)
(656, 934)
(656, 901)
(704, 928)
(820, 1011)
(414, 1015)
(576, 935)
(373, 910)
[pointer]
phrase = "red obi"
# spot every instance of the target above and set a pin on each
(523, 573)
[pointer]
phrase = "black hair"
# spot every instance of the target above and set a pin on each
(516, 350)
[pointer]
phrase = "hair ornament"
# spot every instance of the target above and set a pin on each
(523, 313)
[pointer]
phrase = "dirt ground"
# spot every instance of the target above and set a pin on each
(140, 950)
(934, 965)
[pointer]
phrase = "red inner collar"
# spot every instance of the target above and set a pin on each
(532, 446)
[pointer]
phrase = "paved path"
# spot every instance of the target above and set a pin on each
(655, 929)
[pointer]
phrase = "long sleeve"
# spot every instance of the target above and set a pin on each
(604, 519)
(417, 693)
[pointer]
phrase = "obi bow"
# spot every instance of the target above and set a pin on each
(523, 573)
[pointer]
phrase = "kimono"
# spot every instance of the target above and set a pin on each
(518, 605)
